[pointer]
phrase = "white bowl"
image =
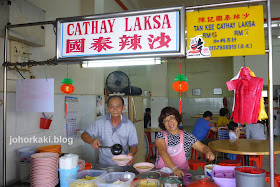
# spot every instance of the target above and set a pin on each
(142, 167)
(122, 160)
(208, 168)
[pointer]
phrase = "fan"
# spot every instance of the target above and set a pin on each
(117, 81)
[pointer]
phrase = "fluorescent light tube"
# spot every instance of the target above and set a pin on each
(121, 62)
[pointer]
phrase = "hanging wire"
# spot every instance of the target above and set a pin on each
(46, 73)
(67, 70)
(244, 65)
(19, 72)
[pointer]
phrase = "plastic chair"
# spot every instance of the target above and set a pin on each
(257, 159)
(276, 179)
(223, 134)
(194, 164)
(195, 153)
(151, 145)
(230, 163)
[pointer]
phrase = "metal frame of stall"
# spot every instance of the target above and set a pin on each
(270, 75)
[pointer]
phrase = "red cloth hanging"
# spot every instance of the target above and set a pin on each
(248, 91)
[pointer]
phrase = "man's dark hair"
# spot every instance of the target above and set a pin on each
(275, 98)
(115, 96)
(167, 111)
(223, 111)
(207, 114)
(148, 110)
(232, 125)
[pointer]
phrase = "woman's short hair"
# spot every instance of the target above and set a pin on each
(232, 125)
(167, 111)
(223, 111)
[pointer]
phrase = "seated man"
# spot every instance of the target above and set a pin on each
(202, 127)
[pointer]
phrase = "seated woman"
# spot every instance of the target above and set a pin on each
(174, 145)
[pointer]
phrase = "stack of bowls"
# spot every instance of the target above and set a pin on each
(25, 153)
(44, 170)
(81, 164)
(50, 148)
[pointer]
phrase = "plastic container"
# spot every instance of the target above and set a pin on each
(64, 175)
(220, 176)
(249, 176)
(25, 153)
(145, 182)
(110, 178)
(187, 179)
(45, 123)
(87, 183)
(24, 171)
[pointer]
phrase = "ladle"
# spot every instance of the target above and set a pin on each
(116, 149)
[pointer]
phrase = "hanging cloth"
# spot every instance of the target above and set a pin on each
(247, 96)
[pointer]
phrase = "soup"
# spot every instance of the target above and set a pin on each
(143, 167)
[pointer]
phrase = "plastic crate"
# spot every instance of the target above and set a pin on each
(223, 182)
(88, 183)
(110, 178)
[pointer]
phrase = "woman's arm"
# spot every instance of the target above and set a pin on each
(204, 149)
(161, 147)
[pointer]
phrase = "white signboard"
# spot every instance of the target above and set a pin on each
(142, 33)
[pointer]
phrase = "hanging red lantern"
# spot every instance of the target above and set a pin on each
(180, 86)
(67, 86)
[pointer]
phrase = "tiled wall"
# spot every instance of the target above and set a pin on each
(194, 106)
(26, 125)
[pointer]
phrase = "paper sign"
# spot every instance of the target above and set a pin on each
(35, 95)
(225, 32)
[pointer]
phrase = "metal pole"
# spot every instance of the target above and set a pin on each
(225, 4)
(5, 106)
(270, 91)
(31, 24)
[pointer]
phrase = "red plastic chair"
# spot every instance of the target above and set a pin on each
(257, 159)
(195, 153)
(151, 145)
(194, 164)
(230, 163)
(276, 179)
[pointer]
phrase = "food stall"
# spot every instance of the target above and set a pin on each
(70, 33)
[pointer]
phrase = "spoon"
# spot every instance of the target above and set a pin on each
(116, 149)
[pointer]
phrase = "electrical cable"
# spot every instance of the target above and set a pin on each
(19, 72)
